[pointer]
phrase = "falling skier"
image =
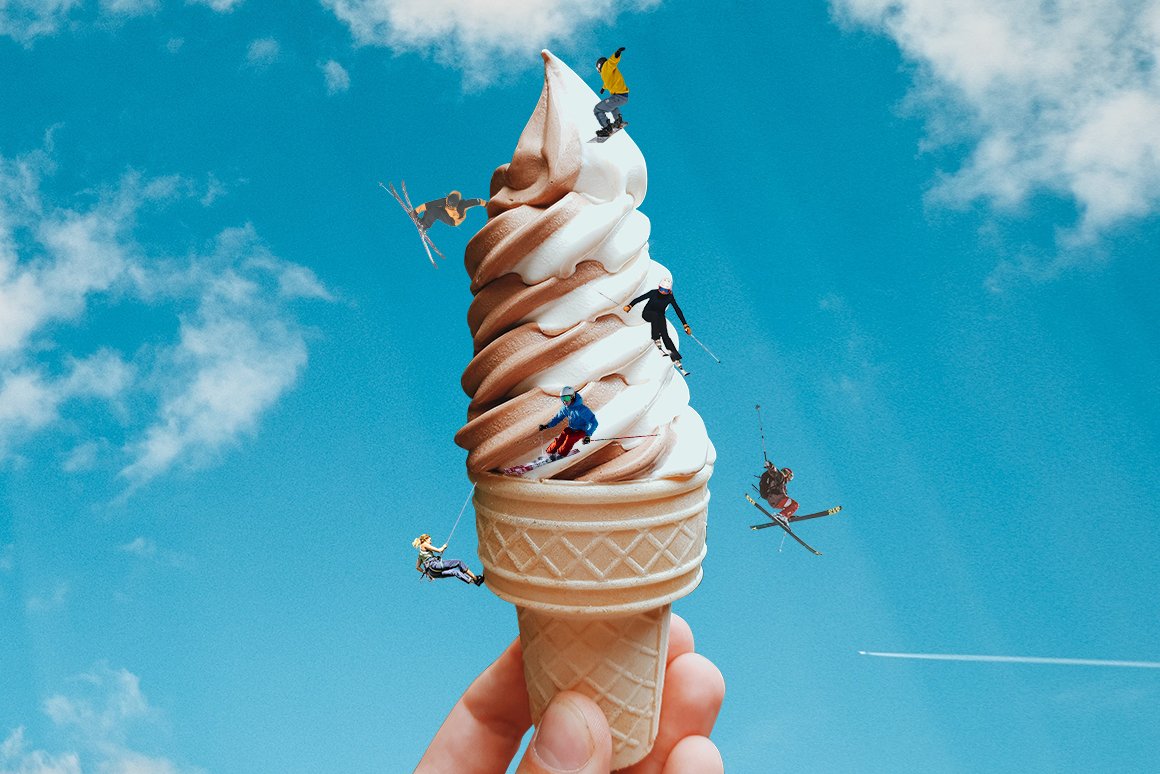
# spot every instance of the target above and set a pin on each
(772, 489)
(451, 209)
(654, 314)
(613, 81)
(432, 564)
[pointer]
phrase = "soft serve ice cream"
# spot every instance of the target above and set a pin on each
(594, 552)
(564, 249)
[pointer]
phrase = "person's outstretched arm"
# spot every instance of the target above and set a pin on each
(677, 308)
(482, 733)
(637, 300)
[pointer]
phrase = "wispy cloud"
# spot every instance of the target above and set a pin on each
(221, 6)
(337, 78)
(141, 546)
(26, 20)
(1059, 97)
(262, 52)
(129, 7)
(105, 709)
(238, 345)
(481, 36)
(52, 600)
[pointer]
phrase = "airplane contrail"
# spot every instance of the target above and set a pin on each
(1017, 659)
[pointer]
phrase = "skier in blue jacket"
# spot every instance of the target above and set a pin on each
(581, 424)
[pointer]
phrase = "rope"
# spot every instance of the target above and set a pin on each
(461, 511)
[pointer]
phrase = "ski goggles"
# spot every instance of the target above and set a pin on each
(566, 398)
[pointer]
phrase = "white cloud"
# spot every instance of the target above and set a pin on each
(129, 7)
(25, 20)
(232, 361)
(1060, 97)
(15, 759)
(337, 78)
(53, 600)
(100, 716)
(221, 6)
(262, 52)
(141, 546)
(473, 35)
(237, 349)
(84, 456)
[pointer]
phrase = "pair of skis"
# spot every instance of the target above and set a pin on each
(780, 521)
(544, 459)
(405, 202)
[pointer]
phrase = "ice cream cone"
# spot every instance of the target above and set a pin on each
(593, 570)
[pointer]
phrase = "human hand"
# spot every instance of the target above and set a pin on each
(543, 427)
(627, 308)
(482, 733)
(688, 330)
(587, 439)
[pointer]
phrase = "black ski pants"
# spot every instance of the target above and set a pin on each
(660, 331)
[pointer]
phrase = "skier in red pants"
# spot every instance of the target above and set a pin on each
(772, 489)
(581, 424)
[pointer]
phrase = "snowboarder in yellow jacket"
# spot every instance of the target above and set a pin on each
(613, 82)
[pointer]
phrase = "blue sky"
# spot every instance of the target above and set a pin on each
(922, 236)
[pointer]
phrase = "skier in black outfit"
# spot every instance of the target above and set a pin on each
(654, 314)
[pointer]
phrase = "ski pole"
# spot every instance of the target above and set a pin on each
(625, 437)
(761, 429)
(610, 298)
(705, 348)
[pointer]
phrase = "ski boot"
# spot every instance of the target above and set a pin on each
(619, 124)
(605, 131)
(681, 368)
(661, 347)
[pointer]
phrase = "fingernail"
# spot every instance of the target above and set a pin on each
(563, 741)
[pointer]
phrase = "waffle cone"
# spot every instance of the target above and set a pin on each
(592, 570)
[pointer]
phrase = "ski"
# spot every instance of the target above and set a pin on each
(796, 519)
(428, 245)
(426, 237)
(817, 515)
(780, 521)
(538, 462)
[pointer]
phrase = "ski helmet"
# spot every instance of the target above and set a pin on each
(600, 63)
(567, 394)
(666, 285)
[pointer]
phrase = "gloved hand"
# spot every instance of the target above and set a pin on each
(543, 427)
(619, 51)
(601, 89)
(627, 308)
(587, 439)
(688, 330)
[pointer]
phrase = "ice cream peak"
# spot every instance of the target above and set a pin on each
(564, 249)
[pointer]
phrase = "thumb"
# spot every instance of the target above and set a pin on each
(571, 737)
